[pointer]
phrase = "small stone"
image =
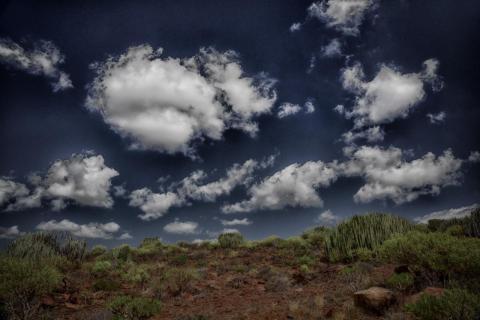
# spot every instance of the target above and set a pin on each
(375, 299)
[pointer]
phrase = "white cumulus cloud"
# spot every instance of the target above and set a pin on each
(91, 230)
(388, 175)
(43, 59)
(293, 186)
(345, 16)
(179, 227)
(389, 95)
(287, 109)
(155, 205)
(167, 104)
(83, 179)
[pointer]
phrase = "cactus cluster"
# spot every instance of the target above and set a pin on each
(363, 232)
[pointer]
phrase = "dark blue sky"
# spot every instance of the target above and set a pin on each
(38, 126)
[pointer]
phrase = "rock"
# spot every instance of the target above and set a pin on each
(375, 299)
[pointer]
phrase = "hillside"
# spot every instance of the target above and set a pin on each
(416, 271)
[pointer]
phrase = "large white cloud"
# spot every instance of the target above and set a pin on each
(451, 213)
(167, 104)
(155, 205)
(293, 186)
(83, 179)
(181, 227)
(91, 230)
(44, 59)
(388, 175)
(345, 16)
(389, 95)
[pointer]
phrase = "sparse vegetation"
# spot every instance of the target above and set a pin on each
(133, 308)
(22, 284)
(230, 240)
(400, 281)
(435, 256)
(454, 304)
(322, 269)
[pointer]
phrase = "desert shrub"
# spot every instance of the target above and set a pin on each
(48, 247)
(100, 268)
(180, 260)
(454, 304)
(364, 254)
(123, 253)
(137, 275)
(316, 237)
(436, 256)
(306, 260)
(106, 284)
(271, 242)
(98, 250)
(230, 240)
(304, 269)
(400, 281)
(297, 245)
(368, 232)
(357, 276)
(149, 248)
(178, 280)
(133, 308)
(22, 283)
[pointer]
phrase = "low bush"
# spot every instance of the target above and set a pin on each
(180, 260)
(454, 304)
(357, 276)
(149, 248)
(178, 280)
(316, 237)
(55, 248)
(133, 308)
(271, 242)
(306, 260)
(436, 256)
(363, 232)
(136, 275)
(98, 250)
(400, 281)
(22, 283)
(101, 268)
(230, 240)
(123, 253)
